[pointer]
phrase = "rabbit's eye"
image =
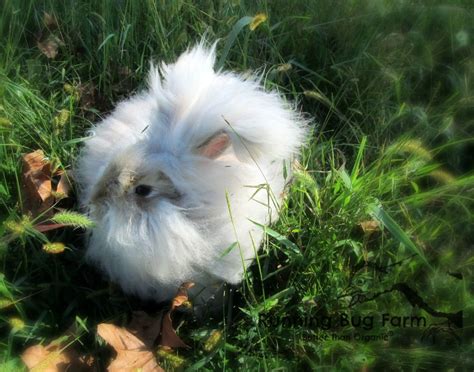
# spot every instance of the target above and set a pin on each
(143, 190)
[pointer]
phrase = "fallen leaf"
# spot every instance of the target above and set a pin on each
(49, 20)
(54, 358)
(37, 187)
(132, 353)
(119, 338)
(169, 337)
(64, 186)
(182, 295)
(145, 327)
(48, 227)
(49, 47)
(44, 358)
(135, 343)
(38, 171)
(369, 226)
(143, 361)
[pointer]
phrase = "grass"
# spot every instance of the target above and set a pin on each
(390, 87)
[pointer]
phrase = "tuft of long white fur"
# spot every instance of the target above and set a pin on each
(151, 252)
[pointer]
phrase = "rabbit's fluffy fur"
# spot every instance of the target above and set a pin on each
(208, 150)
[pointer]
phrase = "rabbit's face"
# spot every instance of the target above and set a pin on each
(134, 179)
(137, 178)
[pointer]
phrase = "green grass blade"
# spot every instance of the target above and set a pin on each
(238, 27)
(385, 219)
(280, 238)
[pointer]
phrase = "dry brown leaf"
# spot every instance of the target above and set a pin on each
(37, 188)
(64, 186)
(49, 46)
(133, 361)
(182, 295)
(53, 358)
(48, 227)
(169, 337)
(134, 344)
(49, 20)
(119, 338)
(44, 358)
(369, 226)
(37, 168)
(36, 183)
(132, 353)
(145, 327)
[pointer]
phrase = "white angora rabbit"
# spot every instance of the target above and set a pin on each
(176, 177)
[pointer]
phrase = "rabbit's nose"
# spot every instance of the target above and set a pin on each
(112, 187)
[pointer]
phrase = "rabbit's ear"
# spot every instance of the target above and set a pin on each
(214, 146)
